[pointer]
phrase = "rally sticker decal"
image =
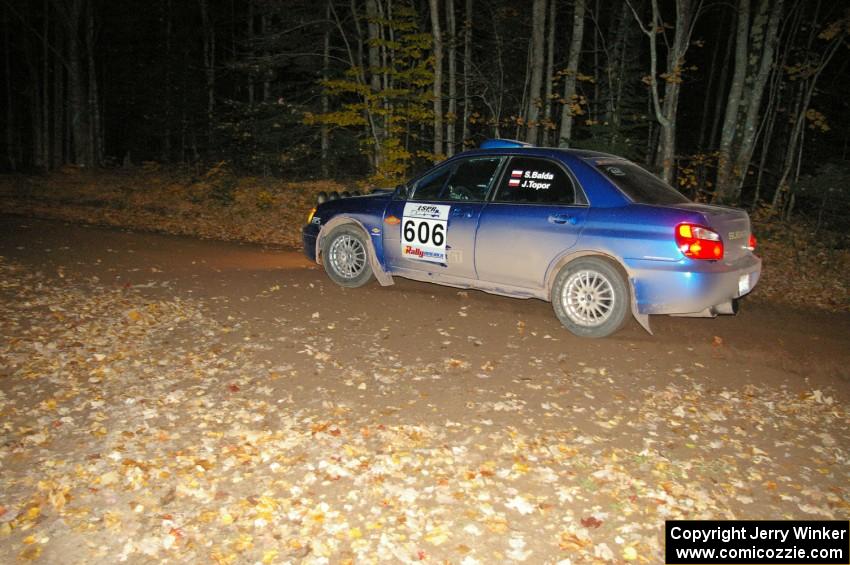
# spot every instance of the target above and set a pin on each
(530, 179)
(423, 232)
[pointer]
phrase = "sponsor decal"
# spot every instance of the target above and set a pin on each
(533, 184)
(411, 251)
(376, 231)
(539, 175)
(429, 211)
(392, 220)
(417, 252)
(530, 179)
(424, 231)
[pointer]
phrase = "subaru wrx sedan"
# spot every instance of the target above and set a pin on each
(594, 234)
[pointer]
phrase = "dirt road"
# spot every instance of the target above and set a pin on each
(166, 398)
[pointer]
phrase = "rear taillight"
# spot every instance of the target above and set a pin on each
(751, 244)
(698, 242)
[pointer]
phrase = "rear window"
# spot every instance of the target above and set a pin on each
(641, 186)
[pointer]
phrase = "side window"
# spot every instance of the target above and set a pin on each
(471, 179)
(535, 181)
(431, 185)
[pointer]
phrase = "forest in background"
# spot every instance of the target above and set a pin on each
(740, 101)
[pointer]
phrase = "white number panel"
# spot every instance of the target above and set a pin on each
(423, 232)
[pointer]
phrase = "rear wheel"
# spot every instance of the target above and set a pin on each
(345, 256)
(590, 297)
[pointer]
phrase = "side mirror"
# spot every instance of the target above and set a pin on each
(400, 192)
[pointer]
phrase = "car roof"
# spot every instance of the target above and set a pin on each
(556, 152)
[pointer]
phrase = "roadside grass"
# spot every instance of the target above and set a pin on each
(802, 267)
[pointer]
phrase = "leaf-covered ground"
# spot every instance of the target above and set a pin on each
(213, 204)
(801, 267)
(144, 424)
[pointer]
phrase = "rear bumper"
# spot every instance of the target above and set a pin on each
(691, 287)
(309, 233)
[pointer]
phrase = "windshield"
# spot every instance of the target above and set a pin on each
(640, 185)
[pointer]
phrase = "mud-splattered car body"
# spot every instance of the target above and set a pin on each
(543, 223)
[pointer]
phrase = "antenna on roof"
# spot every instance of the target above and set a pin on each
(503, 144)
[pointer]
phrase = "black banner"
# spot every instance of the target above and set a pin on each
(694, 542)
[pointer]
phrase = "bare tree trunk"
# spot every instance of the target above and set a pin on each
(169, 89)
(45, 87)
(391, 53)
(795, 139)
(771, 113)
(373, 127)
(326, 61)
(95, 130)
(438, 77)
(374, 55)
(467, 68)
(738, 140)
(249, 32)
(538, 36)
(523, 103)
(209, 64)
(58, 101)
(382, 49)
(616, 56)
(374, 50)
(184, 120)
(709, 87)
(267, 83)
(34, 91)
(496, 107)
(730, 121)
(451, 118)
(355, 14)
(565, 133)
(666, 113)
(78, 110)
(11, 157)
(592, 108)
(717, 116)
(550, 73)
(755, 93)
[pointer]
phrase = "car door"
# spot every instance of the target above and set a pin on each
(536, 214)
(433, 230)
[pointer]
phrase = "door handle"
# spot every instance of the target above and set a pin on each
(562, 219)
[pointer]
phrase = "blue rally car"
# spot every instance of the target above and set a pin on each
(594, 234)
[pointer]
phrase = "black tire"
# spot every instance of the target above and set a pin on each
(590, 297)
(321, 197)
(333, 195)
(345, 256)
(345, 194)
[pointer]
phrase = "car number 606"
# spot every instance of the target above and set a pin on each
(424, 233)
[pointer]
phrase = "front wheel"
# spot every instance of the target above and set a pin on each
(345, 256)
(590, 297)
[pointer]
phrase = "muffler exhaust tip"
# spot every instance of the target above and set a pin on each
(727, 308)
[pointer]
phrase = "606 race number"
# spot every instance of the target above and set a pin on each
(425, 232)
